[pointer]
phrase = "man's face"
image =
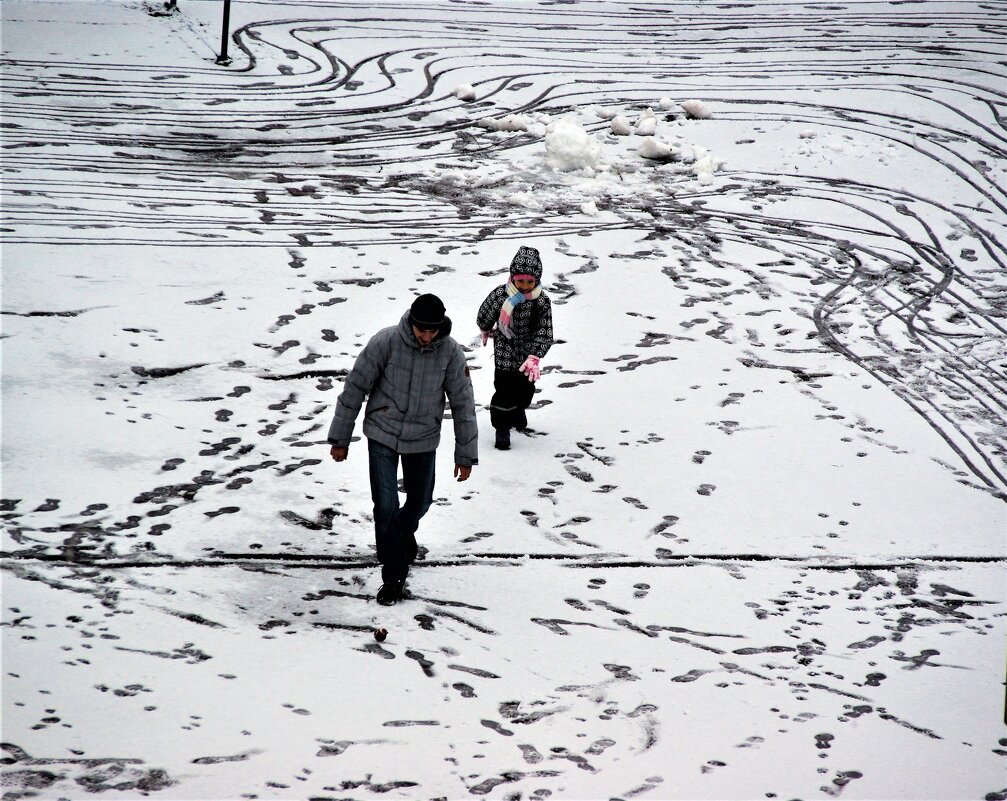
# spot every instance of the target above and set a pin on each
(424, 335)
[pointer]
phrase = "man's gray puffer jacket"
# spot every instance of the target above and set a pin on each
(405, 386)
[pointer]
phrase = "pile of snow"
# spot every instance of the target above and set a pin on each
(465, 92)
(569, 147)
(591, 161)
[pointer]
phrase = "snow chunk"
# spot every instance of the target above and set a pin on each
(590, 208)
(602, 113)
(666, 103)
(705, 165)
(807, 134)
(620, 126)
(647, 124)
(569, 147)
(465, 92)
(525, 200)
(512, 122)
(696, 109)
(654, 148)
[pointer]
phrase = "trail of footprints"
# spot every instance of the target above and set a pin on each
(513, 714)
(584, 464)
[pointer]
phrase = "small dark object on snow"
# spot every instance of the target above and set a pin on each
(380, 634)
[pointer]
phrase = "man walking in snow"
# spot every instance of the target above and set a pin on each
(405, 372)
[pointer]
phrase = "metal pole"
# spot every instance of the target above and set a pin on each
(222, 59)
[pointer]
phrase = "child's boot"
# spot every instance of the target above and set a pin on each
(502, 439)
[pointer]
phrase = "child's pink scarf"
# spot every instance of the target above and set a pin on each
(514, 297)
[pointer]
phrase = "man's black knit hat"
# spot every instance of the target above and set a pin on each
(427, 311)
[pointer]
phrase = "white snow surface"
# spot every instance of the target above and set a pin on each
(752, 545)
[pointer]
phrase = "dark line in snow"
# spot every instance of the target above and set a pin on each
(317, 561)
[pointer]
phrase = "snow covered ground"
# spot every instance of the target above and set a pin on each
(754, 545)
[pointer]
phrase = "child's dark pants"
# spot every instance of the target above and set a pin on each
(395, 527)
(513, 394)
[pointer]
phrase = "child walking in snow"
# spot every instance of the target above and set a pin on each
(518, 315)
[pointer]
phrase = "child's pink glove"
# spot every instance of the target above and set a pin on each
(530, 369)
(485, 335)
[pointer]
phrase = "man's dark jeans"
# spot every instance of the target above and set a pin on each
(395, 526)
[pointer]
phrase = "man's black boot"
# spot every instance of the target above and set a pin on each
(502, 439)
(390, 593)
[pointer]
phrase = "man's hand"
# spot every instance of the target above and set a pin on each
(339, 454)
(463, 471)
